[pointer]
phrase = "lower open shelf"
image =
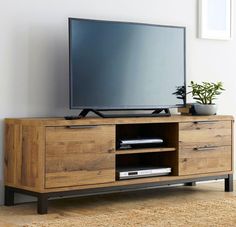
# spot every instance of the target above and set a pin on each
(136, 165)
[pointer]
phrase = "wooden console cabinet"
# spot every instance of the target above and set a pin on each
(50, 157)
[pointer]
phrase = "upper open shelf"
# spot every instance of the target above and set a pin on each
(168, 132)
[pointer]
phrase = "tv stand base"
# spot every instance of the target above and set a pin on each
(42, 204)
(164, 112)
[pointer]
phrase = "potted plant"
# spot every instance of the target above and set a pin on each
(180, 93)
(205, 94)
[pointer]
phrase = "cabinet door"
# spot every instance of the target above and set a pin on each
(79, 155)
(205, 147)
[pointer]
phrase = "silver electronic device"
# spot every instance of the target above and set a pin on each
(129, 143)
(138, 172)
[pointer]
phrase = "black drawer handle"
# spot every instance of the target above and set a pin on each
(204, 122)
(82, 126)
(207, 148)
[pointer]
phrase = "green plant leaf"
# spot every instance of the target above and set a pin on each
(206, 92)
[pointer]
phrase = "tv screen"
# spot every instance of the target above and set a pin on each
(117, 65)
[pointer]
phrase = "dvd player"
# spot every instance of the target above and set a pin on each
(138, 172)
(141, 141)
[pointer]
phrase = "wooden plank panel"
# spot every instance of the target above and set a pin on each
(14, 159)
(33, 149)
(146, 150)
(195, 162)
(195, 139)
(204, 134)
(12, 149)
(73, 162)
(80, 156)
(112, 121)
(83, 177)
(24, 156)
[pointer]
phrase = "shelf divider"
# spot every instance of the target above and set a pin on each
(146, 150)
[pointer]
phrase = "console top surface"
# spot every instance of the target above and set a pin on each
(59, 121)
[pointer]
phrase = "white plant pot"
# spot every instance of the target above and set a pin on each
(205, 109)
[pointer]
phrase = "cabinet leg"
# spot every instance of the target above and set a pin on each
(9, 197)
(229, 183)
(190, 184)
(42, 203)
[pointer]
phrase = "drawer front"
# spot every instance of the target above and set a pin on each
(200, 134)
(79, 155)
(205, 147)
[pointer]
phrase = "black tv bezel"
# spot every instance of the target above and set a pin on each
(141, 107)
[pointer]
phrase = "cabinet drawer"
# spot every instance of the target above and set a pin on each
(205, 147)
(205, 160)
(200, 134)
(79, 155)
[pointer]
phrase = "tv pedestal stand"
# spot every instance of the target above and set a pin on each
(164, 112)
(50, 157)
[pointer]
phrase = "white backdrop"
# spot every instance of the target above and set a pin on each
(34, 52)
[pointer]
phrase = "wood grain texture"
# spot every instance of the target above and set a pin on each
(24, 156)
(12, 150)
(79, 156)
(25, 144)
(146, 150)
(205, 147)
(171, 133)
(205, 134)
(113, 121)
(209, 161)
(32, 158)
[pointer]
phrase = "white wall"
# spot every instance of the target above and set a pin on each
(34, 51)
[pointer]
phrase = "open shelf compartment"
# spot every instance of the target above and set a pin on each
(166, 131)
(158, 156)
(152, 160)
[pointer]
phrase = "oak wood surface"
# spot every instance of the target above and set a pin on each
(101, 121)
(146, 150)
(24, 156)
(209, 161)
(26, 141)
(207, 134)
(33, 156)
(12, 150)
(205, 147)
(79, 156)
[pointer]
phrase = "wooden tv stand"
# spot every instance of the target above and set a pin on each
(51, 157)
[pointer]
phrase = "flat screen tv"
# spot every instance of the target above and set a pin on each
(119, 65)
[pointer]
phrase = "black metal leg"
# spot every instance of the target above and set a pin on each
(9, 197)
(190, 184)
(42, 203)
(229, 183)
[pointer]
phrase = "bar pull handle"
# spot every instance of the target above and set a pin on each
(206, 148)
(204, 122)
(82, 126)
